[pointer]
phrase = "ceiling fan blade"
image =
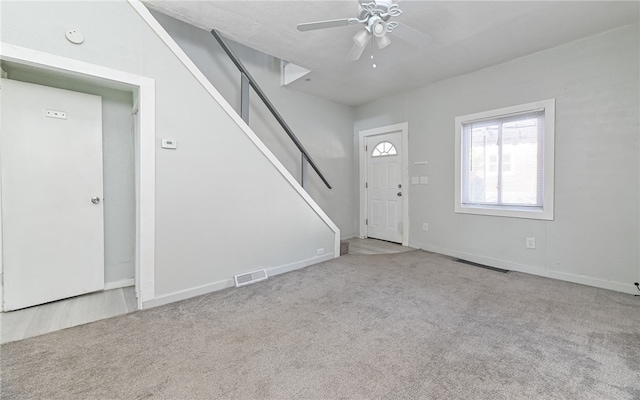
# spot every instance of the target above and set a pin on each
(332, 23)
(357, 49)
(412, 36)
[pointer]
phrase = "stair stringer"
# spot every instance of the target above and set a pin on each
(213, 92)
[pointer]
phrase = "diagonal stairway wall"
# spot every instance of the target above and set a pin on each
(324, 127)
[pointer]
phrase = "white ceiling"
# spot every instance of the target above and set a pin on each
(466, 36)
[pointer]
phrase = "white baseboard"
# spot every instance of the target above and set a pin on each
(529, 269)
(227, 283)
(589, 281)
(299, 264)
(188, 293)
(119, 284)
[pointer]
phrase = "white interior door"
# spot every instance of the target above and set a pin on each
(52, 214)
(384, 187)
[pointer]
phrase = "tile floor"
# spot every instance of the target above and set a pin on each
(50, 317)
(374, 246)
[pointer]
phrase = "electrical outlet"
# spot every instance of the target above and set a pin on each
(530, 243)
(425, 226)
(320, 251)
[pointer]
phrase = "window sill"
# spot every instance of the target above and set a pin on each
(546, 215)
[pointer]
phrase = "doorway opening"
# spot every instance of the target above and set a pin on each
(384, 202)
(142, 94)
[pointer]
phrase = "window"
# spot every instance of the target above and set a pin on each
(384, 149)
(504, 161)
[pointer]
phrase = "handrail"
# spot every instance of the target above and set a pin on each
(243, 70)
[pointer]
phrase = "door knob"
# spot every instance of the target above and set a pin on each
(400, 186)
(399, 194)
(95, 200)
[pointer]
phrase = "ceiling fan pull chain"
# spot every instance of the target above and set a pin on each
(372, 49)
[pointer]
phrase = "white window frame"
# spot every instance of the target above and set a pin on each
(546, 212)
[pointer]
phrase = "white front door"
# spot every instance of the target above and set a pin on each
(384, 187)
(52, 214)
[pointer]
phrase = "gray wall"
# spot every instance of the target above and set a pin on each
(118, 169)
(324, 127)
(594, 238)
(222, 208)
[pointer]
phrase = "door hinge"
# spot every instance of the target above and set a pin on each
(366, 221)
(366, 148)
(366, 185)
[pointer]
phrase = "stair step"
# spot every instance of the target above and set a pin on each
(344, 247)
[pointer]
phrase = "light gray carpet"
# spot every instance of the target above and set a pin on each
(407, 325)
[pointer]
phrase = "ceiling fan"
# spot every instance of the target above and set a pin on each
(375, 16)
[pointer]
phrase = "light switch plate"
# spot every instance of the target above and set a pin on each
(169, 144)
(530, 243)
(423, 180)
(415, 180)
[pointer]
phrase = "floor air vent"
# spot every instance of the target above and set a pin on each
(504, 271)
(250, 277)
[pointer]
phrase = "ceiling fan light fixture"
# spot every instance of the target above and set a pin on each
(379, 28)
(383, 41)
(356, 50)
(361, 37)
(376, 17)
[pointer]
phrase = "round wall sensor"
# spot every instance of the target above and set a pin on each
(74, 36)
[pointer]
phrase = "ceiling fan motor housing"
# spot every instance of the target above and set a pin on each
(376, 14)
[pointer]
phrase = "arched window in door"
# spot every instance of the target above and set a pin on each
(384, 149)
